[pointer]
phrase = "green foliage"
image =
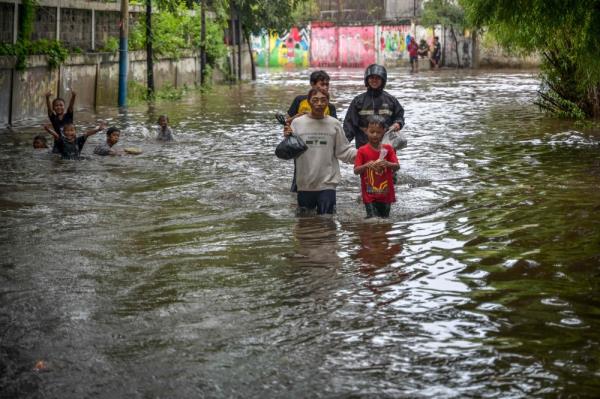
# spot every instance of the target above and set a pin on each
(138, 92)
(55, 52)
(178, 30)
(565, 32)
(305, 11)
(110, 46)
(26, 19)
(443, 12)
(276, 15)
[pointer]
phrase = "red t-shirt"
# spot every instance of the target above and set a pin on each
(376, 187)
(413, 49)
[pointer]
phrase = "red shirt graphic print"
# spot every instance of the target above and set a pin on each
(376, 186)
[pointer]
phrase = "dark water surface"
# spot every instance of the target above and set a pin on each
(183, 272)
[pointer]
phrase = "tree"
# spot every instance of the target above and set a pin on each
(257, 16)
(565, 33)
(446, 13)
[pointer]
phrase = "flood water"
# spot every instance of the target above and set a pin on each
(184, 273)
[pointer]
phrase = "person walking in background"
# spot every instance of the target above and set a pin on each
(423, 49)
(436, 53)
(413, 53)
(375, 101)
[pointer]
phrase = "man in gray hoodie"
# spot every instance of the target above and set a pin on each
(318, 169)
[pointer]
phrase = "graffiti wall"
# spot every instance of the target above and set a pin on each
(290, 49)
(357, 46)
(346, 46)
(392, 44)
(324, 44)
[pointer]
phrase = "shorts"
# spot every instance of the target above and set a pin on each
(378, 209)
(323, 201)
(414, 60)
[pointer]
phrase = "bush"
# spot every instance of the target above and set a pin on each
(110, 46)
(55, 52)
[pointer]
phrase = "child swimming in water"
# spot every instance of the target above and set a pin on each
(57, 115)
(69, 145)
(164, 131)
(112, 138)
(40, 142)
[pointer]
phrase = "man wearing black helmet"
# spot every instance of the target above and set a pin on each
(375, 101)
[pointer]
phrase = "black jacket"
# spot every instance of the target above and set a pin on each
(378, 102)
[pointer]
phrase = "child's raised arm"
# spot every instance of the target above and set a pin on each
(48, 128)
(49, 104)
(72, 102)
(95, 130)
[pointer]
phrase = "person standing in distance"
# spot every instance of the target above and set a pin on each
(375, 101)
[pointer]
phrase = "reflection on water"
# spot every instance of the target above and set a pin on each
(183, 272)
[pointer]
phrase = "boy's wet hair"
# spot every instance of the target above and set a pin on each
(163, 116)
(57, 99)
(111, 130)
(66, 125)
(376, 120)
(40, 138)
(318, 76)
(316, 90)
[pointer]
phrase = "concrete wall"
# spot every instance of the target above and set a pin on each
(94, 77)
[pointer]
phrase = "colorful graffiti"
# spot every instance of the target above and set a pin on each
(338, 46)
(290, 49)
(323, 47)
(346, 46)
(357, 46)
(392, 43)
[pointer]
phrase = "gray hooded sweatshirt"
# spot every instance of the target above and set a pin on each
(318, 168)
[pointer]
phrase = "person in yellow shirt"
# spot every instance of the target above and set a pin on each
(300, 106)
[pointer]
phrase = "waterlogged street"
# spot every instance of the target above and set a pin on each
(183, 272)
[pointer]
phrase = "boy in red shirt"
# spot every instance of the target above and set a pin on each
(376, 163)
(413, 53)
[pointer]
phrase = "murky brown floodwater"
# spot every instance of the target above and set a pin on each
(183, 272)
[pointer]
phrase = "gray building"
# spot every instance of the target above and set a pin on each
(79, 24)
(368, 11)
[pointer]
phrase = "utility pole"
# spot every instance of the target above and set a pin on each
(203, 42)
(149, 50)
(123, 62)
(233, 43)
(240, 40)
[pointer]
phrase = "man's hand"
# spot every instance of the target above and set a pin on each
(395, 127)
(287, 130)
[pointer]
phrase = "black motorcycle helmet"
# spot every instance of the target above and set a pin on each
(376, 69)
